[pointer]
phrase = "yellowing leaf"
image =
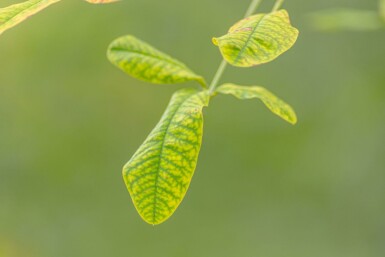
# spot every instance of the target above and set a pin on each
(257, 39)
(12, 15)
(101, 1)
(159, 173)
(276, 105)
(144, 62)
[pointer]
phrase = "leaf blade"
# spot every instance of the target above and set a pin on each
(102, 1)
(14, 14)
(257, 39)
(345, 19)
(141, 61)
(382, 9)
(272, 102)
(159, 174)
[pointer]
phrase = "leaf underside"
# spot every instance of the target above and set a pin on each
(142, 61)
(159, 173)
(276, 105)
(257, 39)
(12, 15)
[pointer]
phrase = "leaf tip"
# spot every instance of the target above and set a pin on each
(215, 41)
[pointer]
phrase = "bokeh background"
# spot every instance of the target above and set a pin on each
(69, 120)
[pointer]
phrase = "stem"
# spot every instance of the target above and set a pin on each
(217, 76)
(252, 8)
(277, 5)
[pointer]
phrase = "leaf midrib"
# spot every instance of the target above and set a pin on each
(161, 155)
(29, 7)
(170, 60)
(248, 40)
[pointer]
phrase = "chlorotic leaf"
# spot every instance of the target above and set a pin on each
(102, 1)
(276, 105)
(345, 19)
(159, 173)
(12, 15)
(257, 39)
(144, 62)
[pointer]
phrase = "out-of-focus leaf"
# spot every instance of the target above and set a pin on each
(382, 9)
(276, 105)
(144, 62)
(102, 1)
(160, 172)
(12, 15)
(346, 19)
(257, 39)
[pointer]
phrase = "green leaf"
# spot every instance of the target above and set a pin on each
(257, 39)
(102, 1)
(159, 173)
(346, 19)
(12, 15)
(144, 62)
(276, 105)
(382, 9)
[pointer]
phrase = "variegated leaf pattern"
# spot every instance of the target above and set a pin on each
(142, 61)
(276, 105)
(159, 173)
(257, 39)
(12, 15)
(102, 1)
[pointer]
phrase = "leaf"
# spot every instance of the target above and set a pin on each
(142, 61)
(159, 173)
(12, 15)
(276, 105)
(382, 9)
(102, 1)
(257, 39)
(345, 19)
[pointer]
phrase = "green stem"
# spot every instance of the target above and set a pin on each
(252, 8)
(277, 5)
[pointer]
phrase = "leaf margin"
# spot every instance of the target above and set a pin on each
(119, 44)
(126, 169)
(270, 100)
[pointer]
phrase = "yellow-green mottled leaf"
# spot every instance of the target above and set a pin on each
(144, 62)
(276, 105)
(159, 173)
(257, 39)
(345, 19)
(12, 15)
(102, 1)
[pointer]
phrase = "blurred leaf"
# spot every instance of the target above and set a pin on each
(102, 1)
(382, 9)
(276, 105)
(12, 15)
(144, 62)
(346, 19)
(257, 39)
(159, 173)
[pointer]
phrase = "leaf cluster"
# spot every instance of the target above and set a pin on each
(158, 175)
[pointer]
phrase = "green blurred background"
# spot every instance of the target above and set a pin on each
(69, 120)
